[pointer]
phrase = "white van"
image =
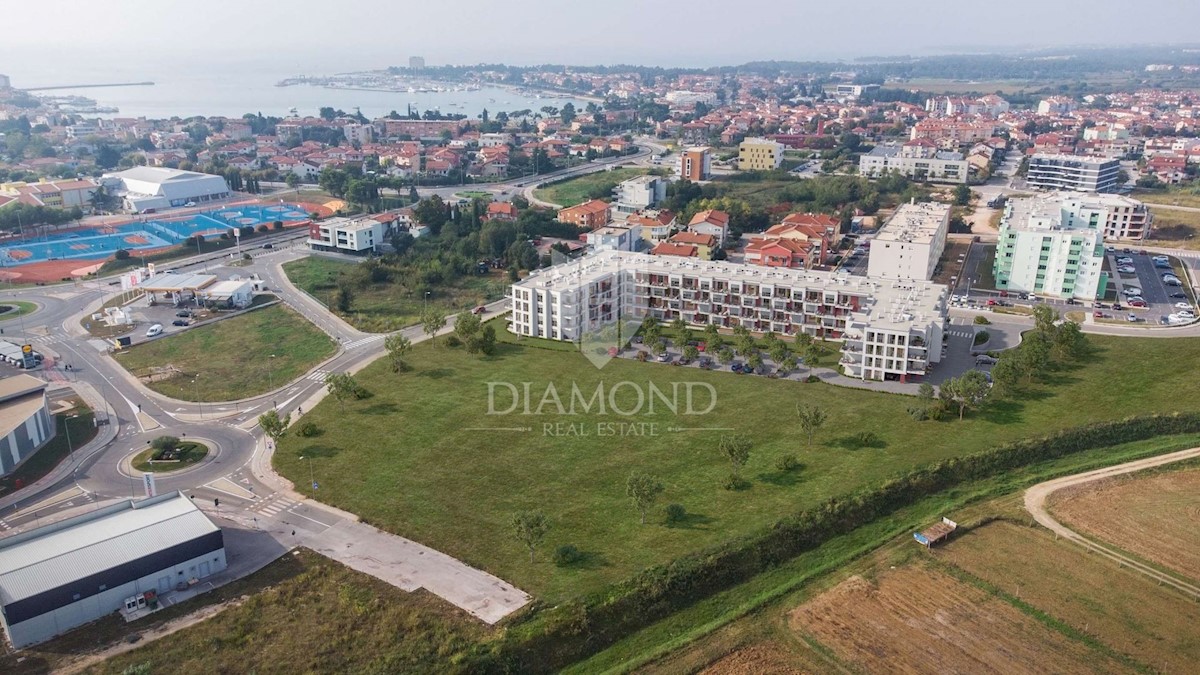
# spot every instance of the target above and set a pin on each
(154, 330)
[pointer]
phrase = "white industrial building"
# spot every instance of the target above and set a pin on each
(890, 329)
(146, 188)
(237, 293)
(346, 235)
(60, 576)
(25, 421)
(1072, 172)
(910, 244)
(1048, 248)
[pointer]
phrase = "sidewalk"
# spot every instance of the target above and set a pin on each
(105, 435)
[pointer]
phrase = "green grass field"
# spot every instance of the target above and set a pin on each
(318, 617)
(389, 306)
(423, 458)
(231, 359)
(1169, 198)
(1175, 228)
(576, 190)
(189, 454)
(15, 308)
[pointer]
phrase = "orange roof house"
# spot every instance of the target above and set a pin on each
(590, 214)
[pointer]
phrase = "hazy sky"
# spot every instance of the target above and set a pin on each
(321, 36)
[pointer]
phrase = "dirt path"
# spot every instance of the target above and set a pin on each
(203, 614)
(1035, 503)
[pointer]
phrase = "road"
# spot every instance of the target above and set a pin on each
(1035, 503)
(262, 514)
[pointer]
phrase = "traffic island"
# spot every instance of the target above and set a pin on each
(168, 454)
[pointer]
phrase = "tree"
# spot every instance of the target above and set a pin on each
(100, 199)
(691, 352)
(432, 321)
(107, 157)
(530, 528)
(967, 391)
(681, 328)
(778, 352)
(466, 326)
(1044, 317)
(755, 360)
(812, 356)
(398, 347)
(746, 345)
(651, 329)
(736, 449)
(725, 355)
(273, 425)
(342, 386)
(345, 298)
(487, 340)
(644, 490)
(962, 195)
(811, 418)
(292, 180)
(1069, 341)
(568, 113)
(658, 348)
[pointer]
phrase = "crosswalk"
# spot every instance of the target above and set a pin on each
(354, 344)
(317, 375)
(274, 505)
(961, 333)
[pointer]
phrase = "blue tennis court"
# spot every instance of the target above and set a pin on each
(106, 241)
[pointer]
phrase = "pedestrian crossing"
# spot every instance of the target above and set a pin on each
(275, 505)
(317, 375)
(370, 339)
(961, 333)
(4, 526)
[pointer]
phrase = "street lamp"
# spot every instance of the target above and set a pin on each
(195, 393)
(312, 480)
(425, 308)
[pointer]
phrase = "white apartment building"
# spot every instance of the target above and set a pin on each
(1117, 217)
(1049, 246)
(1072, 172)
(614, 238)
(492, 140)
(346, 235)
(910, 243)
(359, 133)
(890, 329)
(918, 159)
(636, 194)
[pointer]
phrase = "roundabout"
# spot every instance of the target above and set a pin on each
(180, 457)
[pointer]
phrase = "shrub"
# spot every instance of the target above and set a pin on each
(982, 337)
(264, 228)
(676, 513)
(735, 482)
(308, 429)
(919, 413)
(567, 554)
(122, 254)
(982, 321)
(278, 225)
(453, 341)
(788, 462)
(811, 379)
(247, 256)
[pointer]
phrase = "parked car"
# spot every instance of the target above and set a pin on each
(736, 367)
(1131, 290)
(1024, 296)
(1182, 305)
(180, 322)
(665, 357)
(183, 314)
(985, 360)
(1034, 298)
(1186, 313)
(991, 302)
(268, 245)
(1127, 269)
(154, 330)
(1124, 260)
(1132, 318)
(1072, 301)
(1179, 295)
(1137, 302)
(1098, 315)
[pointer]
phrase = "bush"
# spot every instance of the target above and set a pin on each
(812, 379)
(247, 256)
(567, 554)
(453, 341)
(676, 513)
(122, 254)
(788, 462)
(278, 225)
(982, 320)
(919, 413)
(308, 430)
(264, 228)
(982, 337)
(735, 482)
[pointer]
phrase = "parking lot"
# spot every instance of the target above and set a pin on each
(1133, 271)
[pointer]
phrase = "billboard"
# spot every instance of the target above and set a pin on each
(148, 484)
(131, 279)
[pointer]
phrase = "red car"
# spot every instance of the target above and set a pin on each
(991, 303)
(479, 310)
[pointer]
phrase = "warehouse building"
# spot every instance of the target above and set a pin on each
(25, 422)
(64, 575)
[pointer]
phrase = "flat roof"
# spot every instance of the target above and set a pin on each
(1059, 157)
(172, 281)
(15, 411)
(48, 557)
(915, 223)
(19, 385)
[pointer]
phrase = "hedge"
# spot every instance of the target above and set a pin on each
(551, 639)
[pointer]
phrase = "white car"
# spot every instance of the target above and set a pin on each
(1124, 260)
(1132, 290)
(1186, 313)
(1160, 258)
(154, 330)
(1132, 318)
(1182, 305)
(956, 298)
(1127, 269)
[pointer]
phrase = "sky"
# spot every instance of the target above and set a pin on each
(317, 36)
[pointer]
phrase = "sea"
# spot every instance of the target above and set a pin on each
(234, 89)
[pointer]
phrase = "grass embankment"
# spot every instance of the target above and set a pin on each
(598, 185)
(74, 429)
(11, 309)
(188, 453)
(1174, 228)
(232, 359)
(317, 616)
(445, 472)
(389, 306)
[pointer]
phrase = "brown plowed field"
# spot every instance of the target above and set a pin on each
(1122, 609)
(919, 620)
(754, 660)
(1156, 517)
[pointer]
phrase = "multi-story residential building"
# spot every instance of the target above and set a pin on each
(613, 238)
(1048, 245)
(1072, 172)
(760, 154)
(345, 235)
(359, 133)
(1117, 217)
(890, 329)
(918, 159)
(635, 194)
(590, 214)
(5, 83)
(695, 164)
(910, 243)
(955, 131)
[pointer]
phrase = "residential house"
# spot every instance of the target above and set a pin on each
(711, 222)
(590, 214)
